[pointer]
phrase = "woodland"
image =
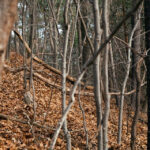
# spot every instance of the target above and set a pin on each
(75, 74)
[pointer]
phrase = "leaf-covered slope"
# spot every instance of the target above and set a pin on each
(18, 132)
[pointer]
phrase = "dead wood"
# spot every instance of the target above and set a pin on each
(35, 58)
(6, 117)
(48, 82)
(127, 93)
(13, 70)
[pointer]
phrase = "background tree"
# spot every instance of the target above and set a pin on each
(137, 73)
(147, 60)
(8, 15)
(85, 11)
(97, 72)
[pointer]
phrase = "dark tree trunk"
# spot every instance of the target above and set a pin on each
(137, 46)
(137, 107)
(136, 75)
(8, 49)
(16, 40)
(125, 27)
(147, 60)
(86, 48)
(32, 23)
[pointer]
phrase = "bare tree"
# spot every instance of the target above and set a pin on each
(106, 83)
(97, 78)
(64, 74)
(85, 48)
(54, 28)
(124, 85)
(137, 72)
(8, 11)
(147, 60)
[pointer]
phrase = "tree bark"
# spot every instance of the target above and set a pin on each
(137, 107)
(106, 81)
(97, 77)
(137, 73)
(85, 48)
(32, 24)
(8, 11)
(124, 86)
(64, 73)
(147, 60)
(136, 44)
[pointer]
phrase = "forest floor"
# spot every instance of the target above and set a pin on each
(17, 131)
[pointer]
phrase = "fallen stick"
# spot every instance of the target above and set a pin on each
(48, 82)
(6, 117)
(13, 70)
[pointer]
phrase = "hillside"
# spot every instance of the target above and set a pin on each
(18, 132)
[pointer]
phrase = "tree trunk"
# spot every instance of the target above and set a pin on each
(85, 48)
(64, 73)
(32, 24)
(136, 44)
(97, 78)
(136, 74)
(124, 86)
(31, 40)
(8, 48)
(16, 41)
(114, 79)
(106, 81)
(55, 32)
(125, 24)
(147, 60)
(8, 11)
(137, 108)
(23, 51)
